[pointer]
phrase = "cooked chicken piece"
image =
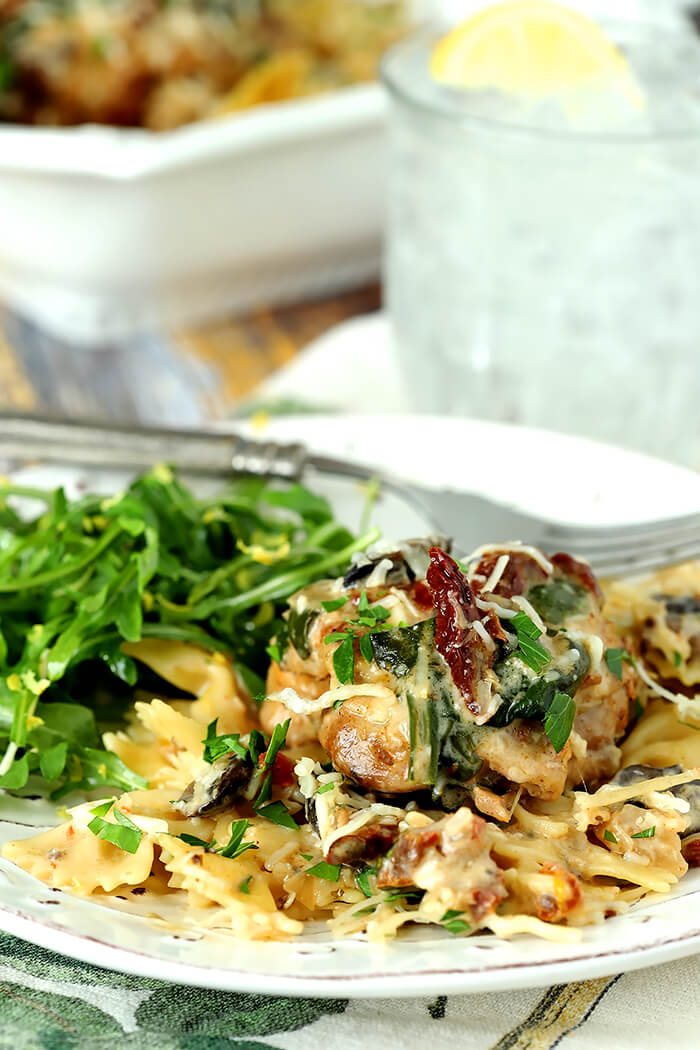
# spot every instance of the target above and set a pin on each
(159, 64)
(450, 860)
(646, 836)
(302, 727)
(368, 739)
(522, 754)
(459, 694)
(602, 710)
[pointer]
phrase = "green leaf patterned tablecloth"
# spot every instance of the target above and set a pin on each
(51, 1003)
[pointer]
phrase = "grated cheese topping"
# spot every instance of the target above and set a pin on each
(514, 547)
(688, 706)
(301, 705)
(499, 568)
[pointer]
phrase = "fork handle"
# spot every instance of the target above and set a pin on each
(138, 448)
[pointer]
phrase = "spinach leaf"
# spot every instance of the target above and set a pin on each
(298, 626)
(559, 600)
(524, 697)
(396, 650)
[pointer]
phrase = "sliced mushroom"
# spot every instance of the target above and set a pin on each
(216, 788)
(367, 843)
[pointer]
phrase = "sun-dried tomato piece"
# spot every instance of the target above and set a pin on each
(564, 895)
(420, 594)
(520, 574)
(465, 651)
(282, 769)
(411, 847)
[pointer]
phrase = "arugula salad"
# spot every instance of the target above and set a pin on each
(79, 578)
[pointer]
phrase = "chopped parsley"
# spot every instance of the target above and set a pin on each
(407, 896)
(609, 837)
(323, 870)
(344, 656)
(256, 745)
(278, 813)
(362, 879)
(614, 658)
(559, 720)
(677, 659)
(244, 884)
(192, 840)
(277, 742)
(124, 834)
(273, 651)
(327, 787)
(453, 922)
(218, 746)
(236, 847)
(648, 833)
(334, 605)
(529, 649)
(258, 748)
(366, 648)
(370, 617)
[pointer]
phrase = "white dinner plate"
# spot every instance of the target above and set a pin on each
(568, 478)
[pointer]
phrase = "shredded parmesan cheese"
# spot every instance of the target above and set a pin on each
(378, 575)
(500, 610)
(592, 643)
(479, 629)
(530, 611)
(303, 706)
(515, 548)
(611, 794)
(688, 706)
(499, 568)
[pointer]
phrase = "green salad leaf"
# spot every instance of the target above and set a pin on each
(80, 577)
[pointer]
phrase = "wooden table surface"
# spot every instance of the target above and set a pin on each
(182, 377)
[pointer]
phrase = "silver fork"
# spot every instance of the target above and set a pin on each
(468, 518)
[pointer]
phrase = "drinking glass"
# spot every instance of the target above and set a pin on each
(543, 261)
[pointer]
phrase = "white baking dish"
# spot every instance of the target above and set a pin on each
(109, 231)
(105, 231)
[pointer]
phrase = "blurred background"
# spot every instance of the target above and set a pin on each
(213, 208)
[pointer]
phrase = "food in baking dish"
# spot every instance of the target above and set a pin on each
(162, 63)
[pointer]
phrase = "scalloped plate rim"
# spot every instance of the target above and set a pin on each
(451, 964)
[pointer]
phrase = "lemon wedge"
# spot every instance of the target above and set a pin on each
(533, 48)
